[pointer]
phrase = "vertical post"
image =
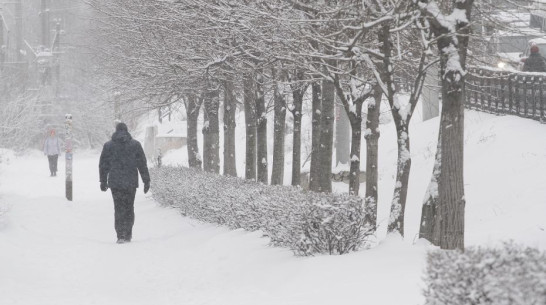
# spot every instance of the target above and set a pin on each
(525, 98)
(535, 98)
(541, 98)
(468, 91)
(517, 94)
(482, 90)
(510, 93)
(489, 89)
(496, 91)
(68, 155)
(475, 88)
(502, 94)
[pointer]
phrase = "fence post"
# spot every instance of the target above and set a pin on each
(500, 93)
(510, 93)
(535, 97)
(503, 93)
(541, 99)
(468, 89)
(489, 83)
(518, 94)
(526, 95)
(68, 155)
(482, 95)
(476, 89)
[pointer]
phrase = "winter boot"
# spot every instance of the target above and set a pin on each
(122, 241)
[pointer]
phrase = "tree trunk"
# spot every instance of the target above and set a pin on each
(452, 45)
(211, 132)
(401, 121)
(261, 117)
(353, 109)
(230, 107)
(356, 140)
(428, 228)
(193, 104)
(398, 207)
(314, 172)
(250, 127)
(327, 135)
(372, 155)
(277, 175)
(297, 96)
(343, 130)
(450, 182)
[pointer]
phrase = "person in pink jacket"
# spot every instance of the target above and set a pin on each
(52, 149)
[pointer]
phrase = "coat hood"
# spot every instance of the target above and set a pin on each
(121, 136)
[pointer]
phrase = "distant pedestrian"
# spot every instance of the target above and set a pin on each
(121, 160)
(52, 149)
(535, 62)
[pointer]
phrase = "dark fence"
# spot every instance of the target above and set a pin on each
(503, 92)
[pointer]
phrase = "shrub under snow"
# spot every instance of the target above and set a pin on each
(306, 222)
(511, 275)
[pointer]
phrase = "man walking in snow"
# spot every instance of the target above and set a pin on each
(535, 62)
(121, 160)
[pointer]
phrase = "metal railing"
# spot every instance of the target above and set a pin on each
(503, 92)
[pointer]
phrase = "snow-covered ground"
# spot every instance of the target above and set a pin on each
(58, 252)
(64, 253)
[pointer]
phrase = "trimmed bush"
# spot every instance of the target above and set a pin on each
(306, 222)
(511, 275)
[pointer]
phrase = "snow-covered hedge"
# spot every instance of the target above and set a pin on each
(306, 222)
(511, 275)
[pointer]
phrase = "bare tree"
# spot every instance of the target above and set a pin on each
(452, 34)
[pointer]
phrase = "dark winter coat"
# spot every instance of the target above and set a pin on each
(534, 63)
(119, 161)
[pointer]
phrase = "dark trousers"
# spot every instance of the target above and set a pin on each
(53, 163)
(124, 212)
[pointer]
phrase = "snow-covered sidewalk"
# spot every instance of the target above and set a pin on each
(58, 252)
